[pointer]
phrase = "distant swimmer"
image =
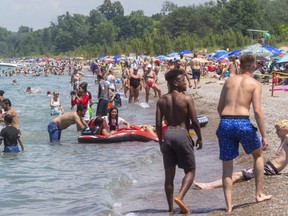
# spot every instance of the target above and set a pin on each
(30, 90)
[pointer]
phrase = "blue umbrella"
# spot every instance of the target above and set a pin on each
(174, 54)
(183, 52)
(161, 57)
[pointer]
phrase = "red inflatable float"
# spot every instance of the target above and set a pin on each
(122, 135)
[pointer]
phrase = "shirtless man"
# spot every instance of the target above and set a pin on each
(179, 64)
(177, 148)
(232, 66)
(75, 79)
(273, 167)
(238, 93)
(6, 105)
(64, 121)
(196, 71)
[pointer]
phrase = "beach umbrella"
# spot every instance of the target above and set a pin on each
(283, 60)
(256, 50)
(235, 53)
(161, 57)
(218, 55)
(173, 54)
(273, 50)
(183, 52)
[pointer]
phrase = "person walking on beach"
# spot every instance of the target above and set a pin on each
(177, 148)
(271, 168)
(237, 94)
(64, 121)
(196, 68)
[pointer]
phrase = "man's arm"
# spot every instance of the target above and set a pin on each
(221, 103)
(257, 107)
(159, 118)
(195, 123)
(187, 77)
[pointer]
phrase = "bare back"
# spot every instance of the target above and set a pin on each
(238, 93)
(178, 109)
(281, 160)
(67, 119)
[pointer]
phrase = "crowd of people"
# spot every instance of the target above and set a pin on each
(177, 110)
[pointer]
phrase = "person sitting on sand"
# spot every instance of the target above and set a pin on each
(273, 167)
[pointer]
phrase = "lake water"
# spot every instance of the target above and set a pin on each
(70, 178)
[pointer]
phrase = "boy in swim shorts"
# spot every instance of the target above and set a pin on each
(11, 136)
(237, 95)
(178, 110)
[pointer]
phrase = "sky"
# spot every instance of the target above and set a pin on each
(38, 14)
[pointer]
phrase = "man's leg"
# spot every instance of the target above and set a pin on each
(236, 177)
(227, 183)
(259, 173)
(169, 186)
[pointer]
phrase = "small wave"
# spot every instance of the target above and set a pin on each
(124, 181)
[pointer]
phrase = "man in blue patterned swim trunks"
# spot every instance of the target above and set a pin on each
(238, 93)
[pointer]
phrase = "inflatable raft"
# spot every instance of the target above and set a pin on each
(123, 135)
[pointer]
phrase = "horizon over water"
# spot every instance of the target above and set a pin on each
(69, 178)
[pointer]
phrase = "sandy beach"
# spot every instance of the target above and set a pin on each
(274, 108)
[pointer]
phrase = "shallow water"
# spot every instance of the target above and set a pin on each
(69, 178)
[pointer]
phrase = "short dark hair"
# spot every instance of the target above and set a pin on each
(98, 121)
(173, 74)
(8, 118)
(7, 102)
(2, 92)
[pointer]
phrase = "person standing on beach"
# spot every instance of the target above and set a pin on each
(237, 94)
(103, 96)
(196, 68)
(177, 148)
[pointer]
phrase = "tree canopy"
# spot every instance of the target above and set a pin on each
(107, 31)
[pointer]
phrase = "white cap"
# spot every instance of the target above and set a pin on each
(149, 66)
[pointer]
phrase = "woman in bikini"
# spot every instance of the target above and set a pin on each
(150, 82)
(134, 85)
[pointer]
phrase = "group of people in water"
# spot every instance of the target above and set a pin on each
(174, 112)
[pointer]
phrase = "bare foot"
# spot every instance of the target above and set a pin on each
(263, 197)
(203, 186)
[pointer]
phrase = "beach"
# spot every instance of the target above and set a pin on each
(274, 108)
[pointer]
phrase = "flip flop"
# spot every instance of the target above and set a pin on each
(182, 206)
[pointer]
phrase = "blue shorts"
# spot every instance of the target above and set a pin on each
(11, 149)
(54, 132)
(233, 130)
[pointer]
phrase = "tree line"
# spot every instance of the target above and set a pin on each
(107, 31)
